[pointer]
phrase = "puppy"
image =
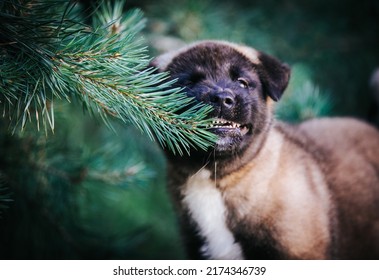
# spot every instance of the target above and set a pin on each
(268, 190)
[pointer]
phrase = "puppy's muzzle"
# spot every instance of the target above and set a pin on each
(222, 99)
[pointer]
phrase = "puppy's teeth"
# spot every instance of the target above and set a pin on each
(221, 123)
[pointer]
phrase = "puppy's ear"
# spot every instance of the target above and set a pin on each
(161, 62)
(154, 64)
(274, 75)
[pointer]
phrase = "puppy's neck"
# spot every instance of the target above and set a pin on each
(221, 165)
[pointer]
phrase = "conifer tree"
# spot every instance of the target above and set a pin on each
(51, 62)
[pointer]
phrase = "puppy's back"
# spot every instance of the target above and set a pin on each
(351, 167)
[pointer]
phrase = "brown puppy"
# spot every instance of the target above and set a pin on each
(270, 190)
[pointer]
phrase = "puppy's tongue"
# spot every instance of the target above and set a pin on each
(244, 129)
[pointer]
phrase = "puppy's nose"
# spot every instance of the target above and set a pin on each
(223, 99)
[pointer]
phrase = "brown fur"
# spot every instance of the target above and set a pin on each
(291, 192)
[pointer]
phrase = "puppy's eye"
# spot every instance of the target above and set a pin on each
(190, 79)
(196, 77)
(243, 83)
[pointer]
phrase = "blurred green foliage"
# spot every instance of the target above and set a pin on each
(85, 192)
(332, 48)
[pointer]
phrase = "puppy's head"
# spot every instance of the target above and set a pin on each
(238, 81)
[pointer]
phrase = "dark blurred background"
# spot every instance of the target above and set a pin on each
(54, 209)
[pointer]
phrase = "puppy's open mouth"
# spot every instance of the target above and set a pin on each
(220, 126)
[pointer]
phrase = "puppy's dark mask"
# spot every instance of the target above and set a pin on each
(236, 80)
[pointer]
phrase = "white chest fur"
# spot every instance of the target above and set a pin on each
(206, 207)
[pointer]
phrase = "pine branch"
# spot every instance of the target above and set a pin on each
(104, 66)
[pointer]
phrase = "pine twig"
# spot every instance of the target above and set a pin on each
(105, 67)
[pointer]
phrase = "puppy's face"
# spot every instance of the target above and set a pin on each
(237, 81)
